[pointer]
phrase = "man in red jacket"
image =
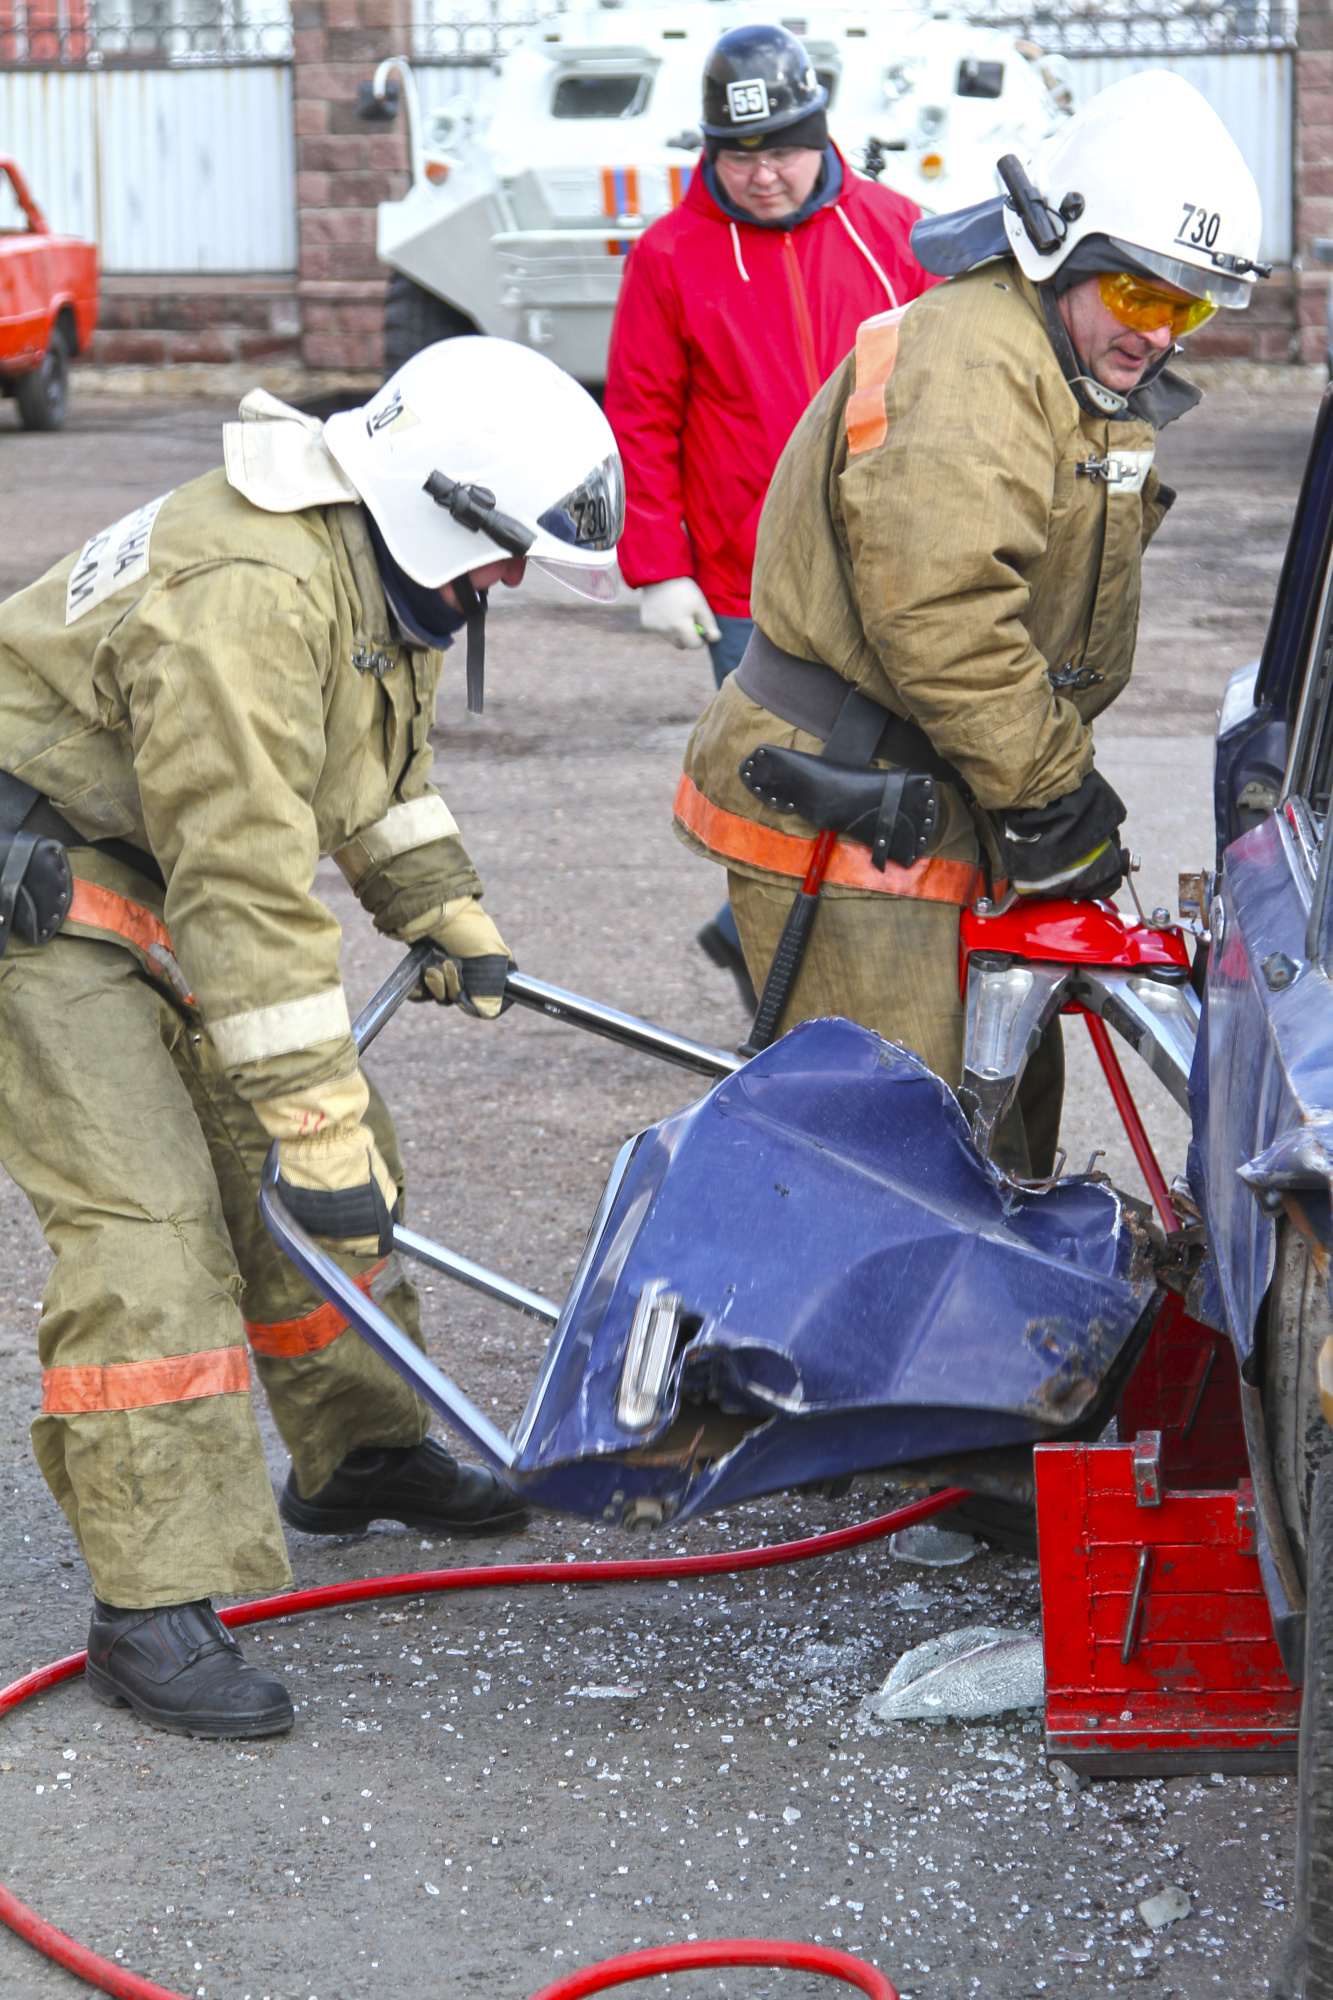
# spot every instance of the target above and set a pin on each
(734, 309)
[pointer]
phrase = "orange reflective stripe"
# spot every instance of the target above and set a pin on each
(141, 1385)
(287, 1338)
(736, 839)
(103, 910)
(800, 306)
(876, 357)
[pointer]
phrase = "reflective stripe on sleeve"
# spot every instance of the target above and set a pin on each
(282, 1028)
(732, 838)
(285, 1339)
(143, 1385)
(876, 357)
(414, 824)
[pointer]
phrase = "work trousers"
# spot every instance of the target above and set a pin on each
(119, 1123)
(891, 963)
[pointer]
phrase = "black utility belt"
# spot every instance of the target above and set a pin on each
(36, 880)
(811, 696)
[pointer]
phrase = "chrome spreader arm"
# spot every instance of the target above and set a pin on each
(377, 1329)
(361, 1312)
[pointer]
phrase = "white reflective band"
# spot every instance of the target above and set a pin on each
(403, 827)
(281, 1029)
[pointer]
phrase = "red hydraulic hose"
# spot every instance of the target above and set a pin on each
(124, 1985)
(1133, 1124)
(790, 1957)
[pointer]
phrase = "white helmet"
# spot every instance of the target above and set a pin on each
(1149, 165)
(478, 449)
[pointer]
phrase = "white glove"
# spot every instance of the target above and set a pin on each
(678, 610)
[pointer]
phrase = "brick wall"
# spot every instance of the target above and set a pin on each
(151, 322)
(343, 170)
(1313, 172)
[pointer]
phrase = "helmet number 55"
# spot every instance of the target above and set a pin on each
(1198, 227)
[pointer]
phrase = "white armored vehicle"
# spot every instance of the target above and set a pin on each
(526, 199)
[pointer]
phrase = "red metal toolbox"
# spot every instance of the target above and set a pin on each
(1186, 1386)
(1160, 1656)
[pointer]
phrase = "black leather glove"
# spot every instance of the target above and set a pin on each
(1070, 847)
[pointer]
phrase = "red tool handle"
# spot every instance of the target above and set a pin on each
(786, 960)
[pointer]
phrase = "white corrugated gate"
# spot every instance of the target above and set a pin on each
(192, 168)
(172, 170)
(1252, 93)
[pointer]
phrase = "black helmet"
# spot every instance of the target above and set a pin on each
(757, 81)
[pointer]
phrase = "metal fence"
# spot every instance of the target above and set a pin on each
(142, 34)
(1157, 27)
(475, 36)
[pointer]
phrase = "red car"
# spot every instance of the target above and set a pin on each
(48, 304)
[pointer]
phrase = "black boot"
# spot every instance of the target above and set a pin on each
(715, 944)
(179, 1668)
(421, 1485)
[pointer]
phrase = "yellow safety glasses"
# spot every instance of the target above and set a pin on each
(1146, 307)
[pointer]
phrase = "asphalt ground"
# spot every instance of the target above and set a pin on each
(469, 1800)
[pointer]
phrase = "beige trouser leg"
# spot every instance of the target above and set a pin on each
(328, 1391)
(891, 963)
(112, 1122)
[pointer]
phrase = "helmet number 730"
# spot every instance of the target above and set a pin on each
(1198, 227)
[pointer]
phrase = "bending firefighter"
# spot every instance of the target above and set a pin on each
(735, 307)
(947, 578)
(230, 683)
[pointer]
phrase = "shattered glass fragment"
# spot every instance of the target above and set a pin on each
(979, 1671)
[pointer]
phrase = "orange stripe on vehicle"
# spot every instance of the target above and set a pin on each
(736, 839)
(143, 1385)
(680, 178)
(620, 196)
(876, 357)
(285, 1339)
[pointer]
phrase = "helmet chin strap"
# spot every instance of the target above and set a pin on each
(1091, 395)
(472, 604)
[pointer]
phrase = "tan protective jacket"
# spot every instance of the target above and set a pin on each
(223, 684)
(949, 531)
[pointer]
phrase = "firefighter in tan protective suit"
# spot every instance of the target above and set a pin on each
(230, 683)
(955, 533)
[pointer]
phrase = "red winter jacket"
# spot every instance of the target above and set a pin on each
(723, 332)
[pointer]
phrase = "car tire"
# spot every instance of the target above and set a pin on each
(1306, 1967)
(42, 394)
(1300, 1320)
(414, 318)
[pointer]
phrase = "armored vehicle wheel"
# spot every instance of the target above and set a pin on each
(43, 393)
(414, 318)
(1300, 1319)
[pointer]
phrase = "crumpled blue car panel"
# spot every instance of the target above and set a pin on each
(859, 1288)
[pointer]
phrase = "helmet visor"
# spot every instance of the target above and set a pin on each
(1147, 308)
(593, 515)
(1218, 287)
(599, 584)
